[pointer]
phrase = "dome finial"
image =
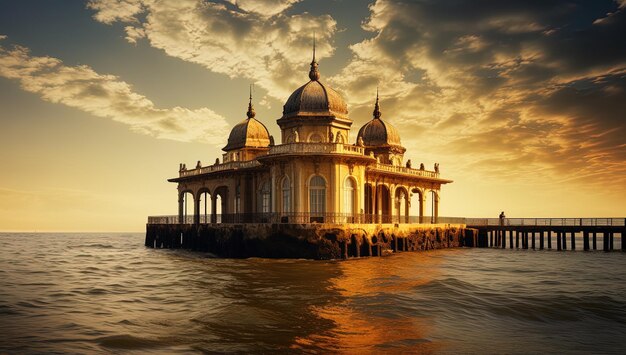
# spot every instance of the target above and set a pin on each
(377, 112)
(250, 112)
(314, 74)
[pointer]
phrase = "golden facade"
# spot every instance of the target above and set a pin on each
(319, 173)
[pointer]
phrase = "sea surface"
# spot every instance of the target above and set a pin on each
(107, 293)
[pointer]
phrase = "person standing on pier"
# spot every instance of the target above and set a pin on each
(502, 217)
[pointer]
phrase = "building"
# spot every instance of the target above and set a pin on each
(319, 173)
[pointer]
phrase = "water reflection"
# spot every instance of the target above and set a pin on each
(375, 312)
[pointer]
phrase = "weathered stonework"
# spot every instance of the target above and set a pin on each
(309, 241)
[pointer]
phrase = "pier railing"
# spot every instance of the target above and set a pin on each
(302, 218)
(546, 221)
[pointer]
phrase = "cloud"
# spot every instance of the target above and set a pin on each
(107, 96)
(514, 90)
(256, 40)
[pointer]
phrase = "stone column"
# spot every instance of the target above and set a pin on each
(181, 208)
(422, 198)
(214, 208)
(196, 210)
(407, 206)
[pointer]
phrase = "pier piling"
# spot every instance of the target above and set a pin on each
(558, 241)
(573, 241)
(595, 245)
(586, 241)
(549, 239)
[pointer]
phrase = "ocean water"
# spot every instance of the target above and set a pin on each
(107, 293)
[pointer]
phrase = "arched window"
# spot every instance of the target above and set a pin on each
(266, 197)
(349, 190)
(317, 198)
(286, 190)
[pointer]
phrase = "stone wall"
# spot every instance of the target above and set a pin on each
(309, 241)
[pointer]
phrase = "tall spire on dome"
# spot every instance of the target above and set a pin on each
(377, 112)
(250, 112)
(314, 74)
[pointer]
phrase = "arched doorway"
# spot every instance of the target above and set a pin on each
(219, 206)
(204, 206)
(317, 199)
(384, 203)
(186, 207)
(417, 205)
(401, 205)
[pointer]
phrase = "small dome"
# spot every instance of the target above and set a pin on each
(249, 133)
(378, 132)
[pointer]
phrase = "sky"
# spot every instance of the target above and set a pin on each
(522, 103)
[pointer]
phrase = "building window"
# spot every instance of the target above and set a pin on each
(266, 197)
(348, 196)
(317, 198)
(286, 195)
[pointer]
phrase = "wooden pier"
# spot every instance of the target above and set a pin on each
(549, 233)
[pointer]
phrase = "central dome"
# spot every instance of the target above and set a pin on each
(315, 99)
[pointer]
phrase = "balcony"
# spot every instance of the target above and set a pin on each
(317, 148)
(405, 171)
(233, 165)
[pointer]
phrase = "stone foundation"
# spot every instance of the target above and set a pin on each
(308, 241)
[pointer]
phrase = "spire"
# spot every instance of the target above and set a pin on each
(377, 112)
(250, 112)
(314, 74)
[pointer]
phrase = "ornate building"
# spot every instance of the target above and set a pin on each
(319, 173)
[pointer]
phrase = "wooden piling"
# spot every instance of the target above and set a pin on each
(573, 240)
(517, 239)
(533, 241)
(549, 239)
(605, 241)
(541, 240)
(595, 245)
(564, 241)
(586, 241)
(491, 238)
(610, 240)
(511, 240)
(558, 241)
(525, 240)
(503, 235)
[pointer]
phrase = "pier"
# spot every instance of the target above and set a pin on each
(549, 233)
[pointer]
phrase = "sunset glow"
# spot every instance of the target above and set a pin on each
(522, 105)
